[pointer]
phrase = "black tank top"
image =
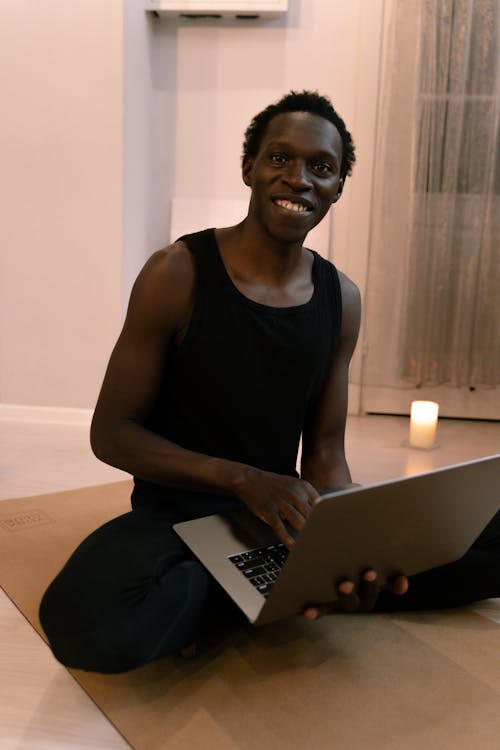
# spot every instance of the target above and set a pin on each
(247, 376)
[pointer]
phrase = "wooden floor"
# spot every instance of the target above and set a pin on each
(40, 704)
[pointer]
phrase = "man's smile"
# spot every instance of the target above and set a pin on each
(295, 206)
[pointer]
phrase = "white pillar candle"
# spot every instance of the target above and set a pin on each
(423, 423)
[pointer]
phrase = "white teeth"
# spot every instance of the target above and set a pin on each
(290, 206)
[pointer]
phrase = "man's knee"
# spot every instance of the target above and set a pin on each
(126, 629)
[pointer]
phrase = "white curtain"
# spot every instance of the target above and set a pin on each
(433, 296)
(452, 322)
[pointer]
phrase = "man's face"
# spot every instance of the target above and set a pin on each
(295, 176)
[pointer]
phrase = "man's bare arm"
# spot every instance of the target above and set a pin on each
(323, 461)
(159, 311)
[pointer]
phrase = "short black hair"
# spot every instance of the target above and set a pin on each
(300, 101)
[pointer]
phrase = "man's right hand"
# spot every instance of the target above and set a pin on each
(275, 498)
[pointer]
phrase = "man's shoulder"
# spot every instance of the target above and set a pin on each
(165, 284)
(351, 313)
(170, 265)
(350, 290)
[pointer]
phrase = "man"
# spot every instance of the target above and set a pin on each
(237, 342)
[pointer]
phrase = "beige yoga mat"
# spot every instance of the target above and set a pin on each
(425, 681)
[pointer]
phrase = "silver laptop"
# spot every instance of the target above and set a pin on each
(398, 526)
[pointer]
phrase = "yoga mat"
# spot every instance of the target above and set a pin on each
(353, 682)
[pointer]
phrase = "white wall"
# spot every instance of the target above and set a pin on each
(149, 106)
(60, 197)
(72, 240)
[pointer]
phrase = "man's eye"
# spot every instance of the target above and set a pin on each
(278, 159)
(322, 168)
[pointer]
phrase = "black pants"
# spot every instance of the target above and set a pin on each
(132, 592)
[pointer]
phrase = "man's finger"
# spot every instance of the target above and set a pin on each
(279, 529)
(369, 590)
(348, 600)
(399, 585)
(303, 507)
(313, 613)
(294, 517)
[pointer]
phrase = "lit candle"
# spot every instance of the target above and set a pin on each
(423, 423)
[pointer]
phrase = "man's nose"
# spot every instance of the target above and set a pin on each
(297, 175)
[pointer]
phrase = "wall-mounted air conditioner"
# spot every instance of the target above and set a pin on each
(218, 8)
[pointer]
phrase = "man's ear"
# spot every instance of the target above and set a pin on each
(246, 170)
(339, 190)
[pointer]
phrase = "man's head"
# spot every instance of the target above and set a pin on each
(303, 101)
(295, 163)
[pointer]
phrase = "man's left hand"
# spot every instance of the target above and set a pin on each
(360, 599)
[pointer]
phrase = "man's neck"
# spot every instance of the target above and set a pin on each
(268, 272)
(254, 253)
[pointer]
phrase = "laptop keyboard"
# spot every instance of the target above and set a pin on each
(261, 566)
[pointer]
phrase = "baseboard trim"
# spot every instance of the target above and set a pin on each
(67, 415)
(45, 414)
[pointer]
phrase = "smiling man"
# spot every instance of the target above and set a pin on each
(236, 344)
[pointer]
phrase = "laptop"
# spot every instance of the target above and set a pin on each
(404, 525)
